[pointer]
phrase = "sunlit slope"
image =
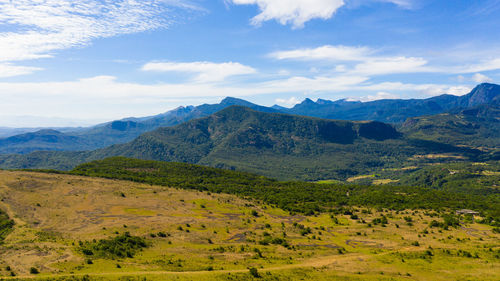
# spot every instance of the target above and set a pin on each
(205, 236)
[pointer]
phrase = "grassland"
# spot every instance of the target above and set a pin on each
(195, 235)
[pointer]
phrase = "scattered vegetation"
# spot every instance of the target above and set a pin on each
(6, 225)
(122, 246)
(303, 197)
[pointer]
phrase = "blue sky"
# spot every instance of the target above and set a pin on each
(80, 62)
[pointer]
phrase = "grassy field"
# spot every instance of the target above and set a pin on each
(192, 235)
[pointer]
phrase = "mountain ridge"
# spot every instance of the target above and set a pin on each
(278, 145)
(124, 130)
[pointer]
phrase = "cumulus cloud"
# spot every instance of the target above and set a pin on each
(298, 12)
(43, 27)
(205, 71)
(294, 12)
(481, 78)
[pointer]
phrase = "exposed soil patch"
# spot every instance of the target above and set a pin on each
(330, 246)
(357, 243)
(239, 238)
(474, 232)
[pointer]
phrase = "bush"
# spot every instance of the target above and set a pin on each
(34, 270)
(254, 272)
(451, 220)
(121, 246)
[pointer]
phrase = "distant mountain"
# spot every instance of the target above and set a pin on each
(41, 140)
(477, 127)
(273, 144)
(115, 132)
(395, 110)
(125, 130)
(6, 132)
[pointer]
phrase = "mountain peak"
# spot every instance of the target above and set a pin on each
(322, 101)
(234, 101)
(481, 94)
(308, 100)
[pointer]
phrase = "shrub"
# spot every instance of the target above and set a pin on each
(254, 272)
(122, 246)
(34, 270)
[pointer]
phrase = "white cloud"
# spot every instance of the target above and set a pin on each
(107, 98)
(9, 70)
(298, 12)
(295, 12)
(340, 68)
(380, 66)
(407, 4)
(486, 65)
(284, 72)
(379, 96)
(310, 85)
(481, 78)
(205, 71)
(365, 60)
(327, 52)
(43, 27)
(458, 90)
(288, 102)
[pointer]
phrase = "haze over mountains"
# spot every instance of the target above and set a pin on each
(121, 131)
(289, 147)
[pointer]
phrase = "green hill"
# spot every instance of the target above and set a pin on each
(276, 145)
(295, 196)
(280, 146)
(477, 127)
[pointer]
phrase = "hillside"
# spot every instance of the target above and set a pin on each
(276, 145)
(475, 127)
(396, 110)
(42, 140)
(83, 228)
(115, 132)
(465, 177)
(282, 146)
(125, 130)
(301, 197)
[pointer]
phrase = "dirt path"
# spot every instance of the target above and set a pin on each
(315, 262)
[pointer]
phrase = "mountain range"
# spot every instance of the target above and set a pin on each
(394, 111)
(278, 145)
(239, 135)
